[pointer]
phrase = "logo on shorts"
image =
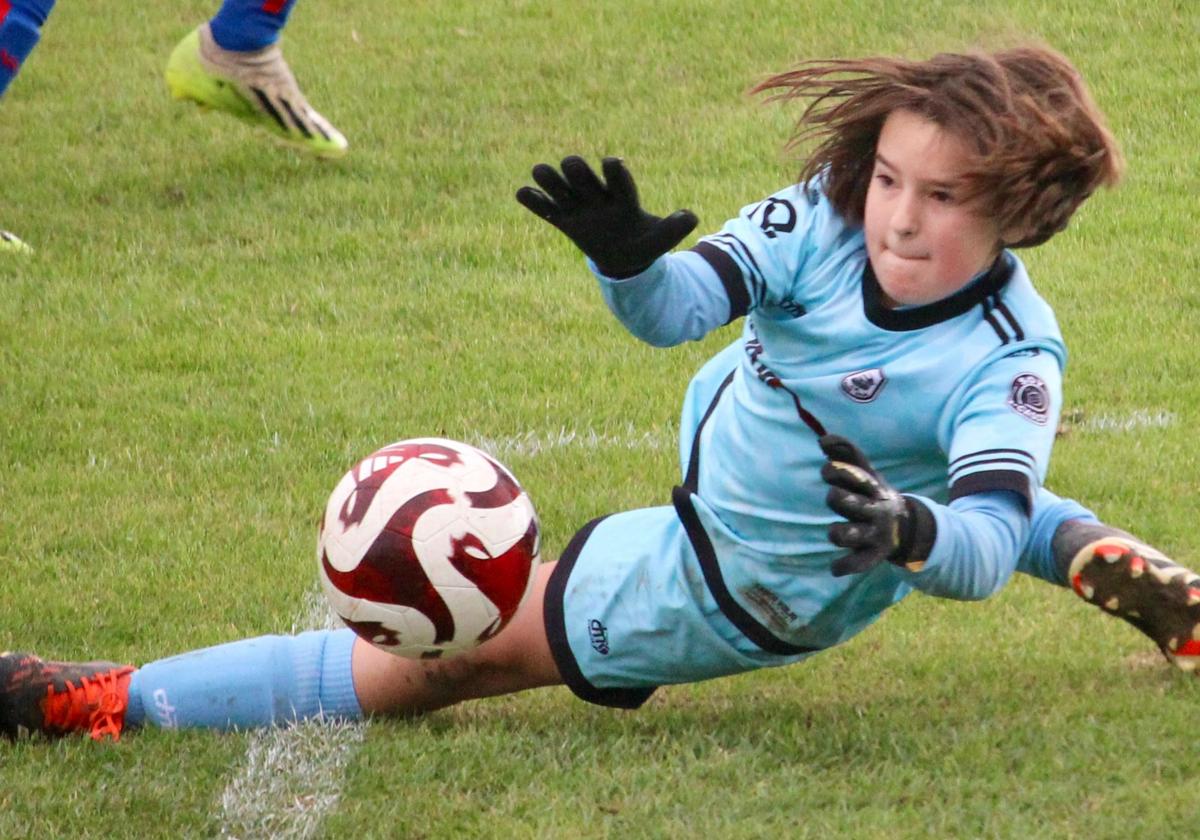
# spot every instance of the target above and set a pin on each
(1030, 398)
(864, 385)
(599, 634)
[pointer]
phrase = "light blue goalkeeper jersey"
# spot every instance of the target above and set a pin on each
(955, 402)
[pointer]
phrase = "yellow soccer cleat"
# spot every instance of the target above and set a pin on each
(10, 243)
(256, 86)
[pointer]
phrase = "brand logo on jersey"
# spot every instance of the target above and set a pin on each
(599, 634)
(778, 216)
(864, 385)
(1030, 398)
(774, 611)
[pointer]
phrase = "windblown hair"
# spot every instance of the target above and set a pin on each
(1040, 144)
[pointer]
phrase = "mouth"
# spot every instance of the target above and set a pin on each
(901, 255)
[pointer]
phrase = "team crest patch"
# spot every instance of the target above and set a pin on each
(864, 385)
(1030, 398)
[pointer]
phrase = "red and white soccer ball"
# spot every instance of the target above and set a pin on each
(427, 547)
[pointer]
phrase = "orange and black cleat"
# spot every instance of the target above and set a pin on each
(62, 698)
(1133, 581)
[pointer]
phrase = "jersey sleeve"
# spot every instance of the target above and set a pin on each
(979, 538)
(754, 263)
(762, 255)
(1002, 430)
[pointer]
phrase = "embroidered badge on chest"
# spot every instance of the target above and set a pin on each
(1030, 398)
(864, 385)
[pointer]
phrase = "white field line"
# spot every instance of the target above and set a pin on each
(1131, 422)
(292, 776)
(535, 443)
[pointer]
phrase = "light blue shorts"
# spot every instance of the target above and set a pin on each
(632, 603)
(631, 606)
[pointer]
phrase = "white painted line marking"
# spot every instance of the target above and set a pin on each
(292, 776)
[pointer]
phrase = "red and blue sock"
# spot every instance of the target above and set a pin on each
(245, 25)
(20, 28)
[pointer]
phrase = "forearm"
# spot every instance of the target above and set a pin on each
(979, 539)
(678, 298)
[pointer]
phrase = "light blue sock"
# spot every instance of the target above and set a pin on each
(269, 680)
(1049, 512)
(20, 28)
(245, 25)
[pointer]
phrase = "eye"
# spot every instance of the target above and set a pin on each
(942, 196)
(884, 179)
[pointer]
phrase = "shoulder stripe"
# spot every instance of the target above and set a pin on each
(1008, 316)
(730, 275)
(995, 324)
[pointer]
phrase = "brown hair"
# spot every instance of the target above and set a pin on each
(1041, 144)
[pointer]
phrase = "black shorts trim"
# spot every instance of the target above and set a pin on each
(556, 633)
(750, 627)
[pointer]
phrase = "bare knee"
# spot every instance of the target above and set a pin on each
(517, 659)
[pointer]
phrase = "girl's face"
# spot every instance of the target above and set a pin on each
(924, 239)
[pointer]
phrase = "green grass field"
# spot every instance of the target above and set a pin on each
(213, 328)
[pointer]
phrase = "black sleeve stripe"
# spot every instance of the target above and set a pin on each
(982, 452)
(754, 273)
(986, 482)
(1011, 463)
(730, 275)
(1004, 310)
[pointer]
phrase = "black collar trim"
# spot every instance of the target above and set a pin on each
(919, 317)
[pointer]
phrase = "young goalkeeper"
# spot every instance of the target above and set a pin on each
(883, 305)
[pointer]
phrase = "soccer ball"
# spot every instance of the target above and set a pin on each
(427, 547)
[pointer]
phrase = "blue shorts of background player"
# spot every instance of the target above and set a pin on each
(881, 299)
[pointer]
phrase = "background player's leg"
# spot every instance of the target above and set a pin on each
(234, 64)
(20, 30)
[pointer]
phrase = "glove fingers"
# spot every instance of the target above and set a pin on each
(582, 180)
(851, 477)
(838, 448)
(670, 231)
(853, 535)
(620, 182)
(538, 203)
(548, 178)
(852, 506)
(855, 563)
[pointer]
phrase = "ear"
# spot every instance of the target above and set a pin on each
(1017, 232)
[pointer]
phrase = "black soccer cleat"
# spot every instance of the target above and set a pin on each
(1132, 581)
(61, 698)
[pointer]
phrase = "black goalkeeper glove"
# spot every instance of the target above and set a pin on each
(883, 524)
(604, 219)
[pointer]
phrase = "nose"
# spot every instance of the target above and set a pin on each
(905, 219)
